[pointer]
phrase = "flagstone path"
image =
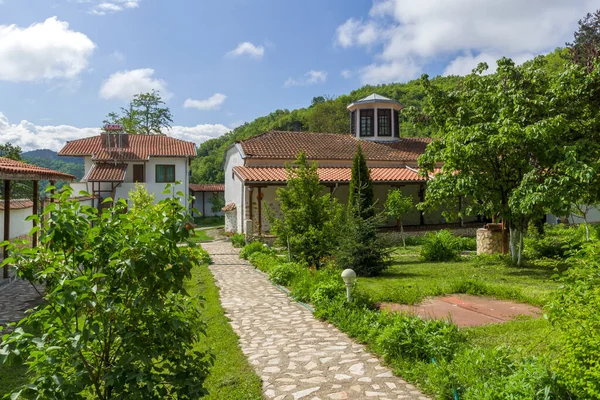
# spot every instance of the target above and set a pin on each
(16, 298)
(296, 355)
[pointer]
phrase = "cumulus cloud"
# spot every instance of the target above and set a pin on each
(312, 77)
(409, 33)
(463, 65)
(42, 51)
(124, 85)
(30, 136)
(247, 48)
(214, 102)
(113, 6)
(346, 74)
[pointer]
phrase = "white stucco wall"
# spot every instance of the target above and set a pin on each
(208, 197)
(18, 225)
(234, 188)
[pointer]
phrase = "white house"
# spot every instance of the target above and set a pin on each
(115, 162)
(255, 168)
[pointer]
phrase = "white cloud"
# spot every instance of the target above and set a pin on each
(464, 65)
(346, 74)
(214, 102)
(414, 33)
(312, 77)
(125, 84)
(354, 32)
(47, 50)
(30, 137)
(247, 48)
(113, 6)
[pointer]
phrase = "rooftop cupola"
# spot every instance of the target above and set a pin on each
(375, 118)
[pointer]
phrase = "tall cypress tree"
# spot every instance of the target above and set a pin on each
(360, 200)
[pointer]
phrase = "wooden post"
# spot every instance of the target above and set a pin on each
(35, 212)
(259, 200)
(6, 223)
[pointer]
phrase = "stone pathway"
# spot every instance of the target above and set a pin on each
(15, 299)
(296, 355)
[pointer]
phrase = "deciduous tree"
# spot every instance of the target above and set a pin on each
(397, 206)
(146, 114)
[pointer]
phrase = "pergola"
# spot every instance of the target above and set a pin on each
(11, 170)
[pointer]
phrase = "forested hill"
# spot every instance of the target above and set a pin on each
(49, 159)
(324, 115)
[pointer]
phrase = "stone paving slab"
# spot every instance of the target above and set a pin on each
(296, 355)
(15, 299)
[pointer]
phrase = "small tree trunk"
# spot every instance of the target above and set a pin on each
(512, 243)
(402, 234)
(520, 252)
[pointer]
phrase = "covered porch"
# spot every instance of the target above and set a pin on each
(261, 184)
(12, 171)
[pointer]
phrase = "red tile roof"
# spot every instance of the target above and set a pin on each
(207, 188)
(106, 172)
(19, 204)
(279, 174)
(330, 146)
(135, 147)
(17, 170)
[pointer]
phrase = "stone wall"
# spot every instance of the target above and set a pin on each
(231, 221)
(492, 241)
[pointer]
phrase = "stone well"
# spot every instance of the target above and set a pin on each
(492, 240)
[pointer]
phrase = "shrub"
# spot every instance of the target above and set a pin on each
(254, 247)
(238, 240)
(116, 321)
(413, 240)
(418, 339)
(283, 274)
(440, 246)
(575, 312)
(556, 242)
(361, 248)
(466, 243)
(264, 261)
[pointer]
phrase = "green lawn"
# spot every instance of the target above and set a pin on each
(409, 280)
(201, 236)
(232, 377)
(12, 377)
(209, 222)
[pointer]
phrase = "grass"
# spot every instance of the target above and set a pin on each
(201, 236)
(231, 377)
(209, 222)
(11, 378)
(409, 280)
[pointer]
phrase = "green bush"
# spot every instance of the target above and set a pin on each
(361, 248)
(440, 246)
(238, 240)
(264, 261)
(418, 339)
(556, 242)
(413, 240)
(575, 310)
(254, 247)
(466, 243)
(283, 274)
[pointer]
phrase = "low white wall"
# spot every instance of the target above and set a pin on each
(18, 225)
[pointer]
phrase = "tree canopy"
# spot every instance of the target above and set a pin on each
(519, 143)
(146, 114)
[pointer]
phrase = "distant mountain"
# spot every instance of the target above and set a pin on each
(49, 159)
(47, 153)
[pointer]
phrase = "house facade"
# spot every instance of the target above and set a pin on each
(115, 162)
(255, 168)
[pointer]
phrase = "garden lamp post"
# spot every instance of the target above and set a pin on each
(349, 276)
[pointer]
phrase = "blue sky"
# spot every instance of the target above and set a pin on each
(64, 64)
